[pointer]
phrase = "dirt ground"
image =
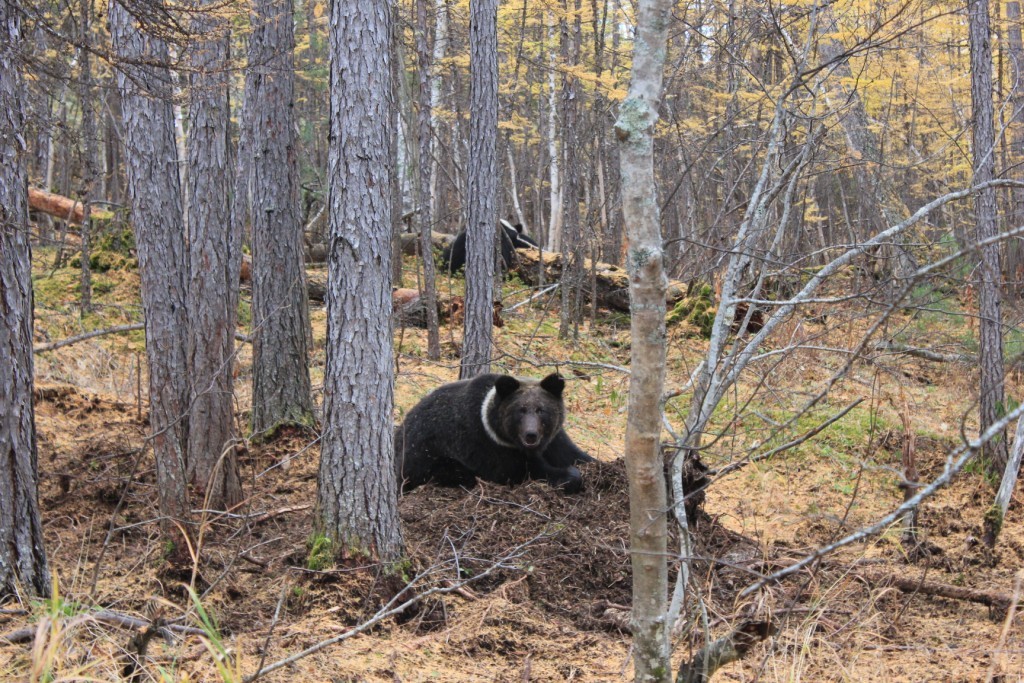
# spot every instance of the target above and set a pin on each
(551, 579)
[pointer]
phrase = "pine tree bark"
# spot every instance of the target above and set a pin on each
(154, 190)
(990, 332)
(215, 259)
(645, 264)
(482, 191)
(281, 391)
(424, 200)
(88, 152)
(23, 564)
(572, 240)
(357, 491)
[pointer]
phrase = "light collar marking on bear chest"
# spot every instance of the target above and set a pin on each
(485, 409)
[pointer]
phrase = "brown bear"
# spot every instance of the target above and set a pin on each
(495, 427)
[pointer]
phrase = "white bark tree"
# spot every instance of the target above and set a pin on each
(648, 530)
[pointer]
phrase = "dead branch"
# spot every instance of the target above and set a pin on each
(108, 617)
(725, 650)
(925, 354)
(907, 584)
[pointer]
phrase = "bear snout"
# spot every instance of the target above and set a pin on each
(531, 439)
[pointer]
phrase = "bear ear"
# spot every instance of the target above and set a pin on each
(519, 228)
(506, 385)
(553, 384)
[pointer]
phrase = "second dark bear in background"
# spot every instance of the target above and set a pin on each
(495, 427)
(453, 258)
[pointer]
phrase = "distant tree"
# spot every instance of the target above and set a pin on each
(87, 131)
(990, 325)
(423, 199)
(281, 392)
(357, 492)
(482, 220)
(154, 190)
(572, 238)
(214, 258)
(22, 557)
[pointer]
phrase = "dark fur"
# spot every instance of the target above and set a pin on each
(443, 438)
(453, 258)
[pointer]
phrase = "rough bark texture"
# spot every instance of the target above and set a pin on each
(357, 492)
(154, 190)
(644, 263)
(572, 238)
(214, 260)
(482, 191)
(989, 294)
(88, 151)
(424, 200)
(281, 391)
(22, 558)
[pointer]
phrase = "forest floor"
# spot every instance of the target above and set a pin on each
(552, 574)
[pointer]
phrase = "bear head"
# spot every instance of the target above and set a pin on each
(529, 412)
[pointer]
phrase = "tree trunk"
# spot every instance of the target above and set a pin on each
(22, 557)
(482, 190)
(214, 259)
(572, 247)
(154, 189)
(88, 152)
(281, 392)
(423, 200)
(990, 332)
(357, 491)
(647, 492)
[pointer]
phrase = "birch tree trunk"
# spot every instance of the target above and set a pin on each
(554, 242)
(281, 391)
(22, 557)
(647, 492)
(482, 188)
(215, 259)
(990, 331)
(424, 200)
(357, 492)
(154, 190)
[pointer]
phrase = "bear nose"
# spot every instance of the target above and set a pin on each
(531, 438)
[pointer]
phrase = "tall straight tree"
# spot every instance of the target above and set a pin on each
(88, 149)
(22, 557)
(482, 191)
(281, 392)
(648, 527)
(989, 294)
(423, 198)
(214, 259)
(357, 492)
(154, 190)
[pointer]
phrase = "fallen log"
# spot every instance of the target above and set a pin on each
(408, 305)
(612, 281)
(907, 584)
(55, 205)
(411, 241)
(60, 207)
